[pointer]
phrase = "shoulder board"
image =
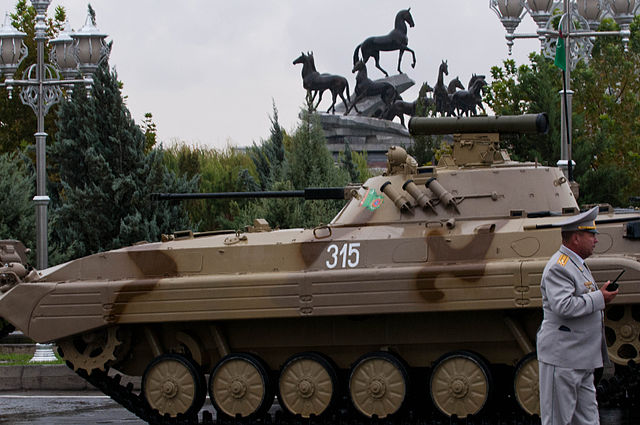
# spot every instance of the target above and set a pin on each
(563, 259)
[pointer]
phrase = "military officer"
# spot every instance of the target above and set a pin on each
(570, 341)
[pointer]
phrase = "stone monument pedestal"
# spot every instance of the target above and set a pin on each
(372, 135)
(363, 131)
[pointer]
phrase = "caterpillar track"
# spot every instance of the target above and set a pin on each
(622, 390)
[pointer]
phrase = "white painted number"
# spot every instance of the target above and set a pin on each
(347, 256)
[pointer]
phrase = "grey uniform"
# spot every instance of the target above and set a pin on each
(570, 341)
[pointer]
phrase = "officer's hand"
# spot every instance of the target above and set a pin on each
(608, 296)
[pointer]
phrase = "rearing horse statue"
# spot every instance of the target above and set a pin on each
(396, 40)
(314, 82)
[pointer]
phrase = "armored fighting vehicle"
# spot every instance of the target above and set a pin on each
(422, 294)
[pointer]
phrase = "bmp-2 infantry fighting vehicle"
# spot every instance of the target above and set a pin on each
(421, 295)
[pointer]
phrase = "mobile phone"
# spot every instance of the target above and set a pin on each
(613, 285)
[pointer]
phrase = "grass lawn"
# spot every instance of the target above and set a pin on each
(23, 360)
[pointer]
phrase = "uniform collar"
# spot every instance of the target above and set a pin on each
(578, 260)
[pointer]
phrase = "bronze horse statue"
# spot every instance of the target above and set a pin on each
(465, 101)
(365, 87)
(315, 83)
(400, 108)
(451, 89)
(440, 94)
(475, 77)
(396, 40)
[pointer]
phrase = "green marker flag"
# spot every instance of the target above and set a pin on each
(560, 60)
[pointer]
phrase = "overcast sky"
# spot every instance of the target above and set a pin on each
(208, 70)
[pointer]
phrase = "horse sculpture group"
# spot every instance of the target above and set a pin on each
(446, 101)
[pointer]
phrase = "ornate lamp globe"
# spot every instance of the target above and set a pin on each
(63, 53)
(540, 10)
(592, 11)
(12, 48)
(623, 10)
(510, 13)
(91, 48)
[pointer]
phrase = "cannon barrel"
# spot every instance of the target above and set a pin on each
(308, 194)
(527, 123)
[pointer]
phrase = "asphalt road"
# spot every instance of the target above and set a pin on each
(62, 408)
(53, 408)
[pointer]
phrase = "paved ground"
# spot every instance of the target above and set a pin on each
(89, 407)
(62, 408)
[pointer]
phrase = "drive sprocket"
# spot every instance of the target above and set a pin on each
(92, 350)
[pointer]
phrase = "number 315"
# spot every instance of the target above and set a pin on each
(347, 256)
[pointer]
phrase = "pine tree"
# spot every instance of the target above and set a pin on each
(17, 187)
(307, 163)
(346, 159)
(104, 177)
(269, 155)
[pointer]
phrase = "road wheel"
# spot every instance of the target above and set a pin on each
(460, 384)
(307, 385)
(378, 384)
(239, 386)
(173, 386)
(622, 332)
(526, 384)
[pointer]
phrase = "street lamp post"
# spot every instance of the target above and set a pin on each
(74, 53)
(578, 25)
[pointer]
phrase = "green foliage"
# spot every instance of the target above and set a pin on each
(17, 187)
(307, 163)
(606, 106)
(529, 89)
(345, 158)
(18, 359)
(268, 157)
(100, 196)
(424, 148)
(355, 164)
(362, 165)
(150, 132)
(227, 170)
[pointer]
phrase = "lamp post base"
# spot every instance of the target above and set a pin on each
(44, 353)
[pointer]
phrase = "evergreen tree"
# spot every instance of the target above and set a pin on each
(362, 165)
(346, 159)
(269, 156)
(150, 132)
(307, 163)
(17, 187)
(423, 148)
(104, 177)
